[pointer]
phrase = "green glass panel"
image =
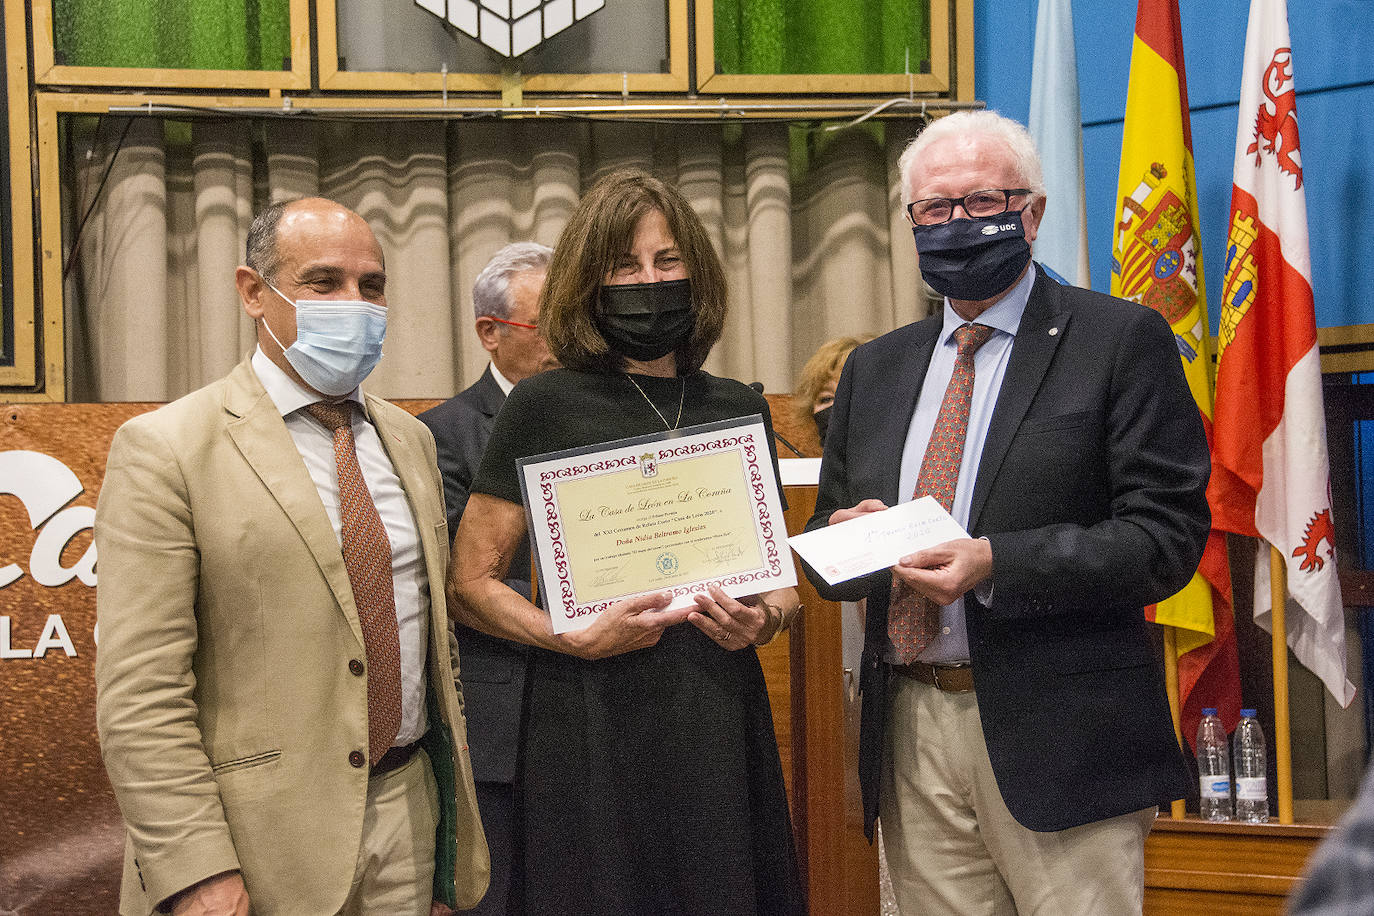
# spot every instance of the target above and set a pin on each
(822, 36)
(173, 34)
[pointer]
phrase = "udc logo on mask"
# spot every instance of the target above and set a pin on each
(511, 27)
(666, 563)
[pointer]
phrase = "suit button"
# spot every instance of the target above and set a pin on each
(357, 758)
(355, 666)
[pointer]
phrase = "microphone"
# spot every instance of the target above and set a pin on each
(758, 386)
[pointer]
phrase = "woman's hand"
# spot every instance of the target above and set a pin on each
(627, 625)
(735, 624)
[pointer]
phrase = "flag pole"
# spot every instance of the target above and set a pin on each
(1171, 688)
(1283, 750)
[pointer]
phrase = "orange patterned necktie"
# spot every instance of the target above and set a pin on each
(367, 557)
(912, 619)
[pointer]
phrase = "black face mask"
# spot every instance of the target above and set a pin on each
(822, 418)
(645, 321)
(973, 259)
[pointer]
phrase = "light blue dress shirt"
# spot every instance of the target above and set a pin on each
(950, 645)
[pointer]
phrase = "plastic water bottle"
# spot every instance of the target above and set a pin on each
(1214, 768)
(1252, 792)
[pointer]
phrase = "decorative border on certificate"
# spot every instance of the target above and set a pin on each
(677, 512)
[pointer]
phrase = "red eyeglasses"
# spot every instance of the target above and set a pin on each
(516, 324)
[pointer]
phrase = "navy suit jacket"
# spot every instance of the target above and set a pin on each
(1091, 489)
(493, 669)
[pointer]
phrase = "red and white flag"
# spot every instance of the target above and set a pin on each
(1270, 477)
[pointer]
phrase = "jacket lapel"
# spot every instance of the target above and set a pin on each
(1037, 338)
(489, 394)
(415, 478)
(260, 434)
(900, 406)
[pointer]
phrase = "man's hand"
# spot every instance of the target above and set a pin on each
(627, 625)
(863, 508)
(222, 895)
(946, 571)
(437, 908)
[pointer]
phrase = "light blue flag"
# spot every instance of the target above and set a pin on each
(1057, 127)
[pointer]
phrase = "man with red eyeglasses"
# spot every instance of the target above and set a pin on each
(505, 298)
(1015, 735)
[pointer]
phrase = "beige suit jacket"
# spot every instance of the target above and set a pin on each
(226, 708)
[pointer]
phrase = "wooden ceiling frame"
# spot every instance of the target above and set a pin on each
(511, 84)
(30, 366)
(951, 74)
(48, 72)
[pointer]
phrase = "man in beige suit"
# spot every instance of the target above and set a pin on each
(275, 698)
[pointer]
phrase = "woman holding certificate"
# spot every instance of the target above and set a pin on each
(650, 778)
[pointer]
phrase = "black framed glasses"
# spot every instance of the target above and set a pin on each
(977, 204)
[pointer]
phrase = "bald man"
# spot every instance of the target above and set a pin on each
(275, 698)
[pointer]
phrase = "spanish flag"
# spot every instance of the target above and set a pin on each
(1157, 261)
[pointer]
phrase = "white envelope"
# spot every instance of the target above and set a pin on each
(877, 540)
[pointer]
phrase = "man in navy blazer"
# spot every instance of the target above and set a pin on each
(1017, 751)
(505, 299)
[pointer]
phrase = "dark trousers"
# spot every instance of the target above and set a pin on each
(496, 803)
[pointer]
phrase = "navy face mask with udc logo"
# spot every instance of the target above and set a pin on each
(973, 259)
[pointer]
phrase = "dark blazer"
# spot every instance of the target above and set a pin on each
(493, 669)
(1091, 489)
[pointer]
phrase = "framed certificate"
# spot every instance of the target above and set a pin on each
(676, 512)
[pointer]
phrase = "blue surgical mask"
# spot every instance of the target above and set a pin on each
(338, 342)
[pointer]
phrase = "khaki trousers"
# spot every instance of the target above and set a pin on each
(395, 871)
(954, 848)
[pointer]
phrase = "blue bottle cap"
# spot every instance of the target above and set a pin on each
(1209, 710)
(1247, 713)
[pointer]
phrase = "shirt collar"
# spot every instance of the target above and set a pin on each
(1004, 316)
(505, 384)
(286, 393)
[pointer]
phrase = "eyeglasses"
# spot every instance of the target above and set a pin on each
(977, 204)
(515, 324)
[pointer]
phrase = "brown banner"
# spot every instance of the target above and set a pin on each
(61, 838)
(61, 844)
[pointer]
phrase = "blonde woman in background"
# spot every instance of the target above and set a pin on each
(816, 386)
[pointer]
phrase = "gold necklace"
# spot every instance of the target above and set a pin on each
(680, 396)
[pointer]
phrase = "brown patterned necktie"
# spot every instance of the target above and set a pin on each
(367, 557)
(912, 619)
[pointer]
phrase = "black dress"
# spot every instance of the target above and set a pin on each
(651, 780)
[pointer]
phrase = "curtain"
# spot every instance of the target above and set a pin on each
(822, 36)
(808, 225)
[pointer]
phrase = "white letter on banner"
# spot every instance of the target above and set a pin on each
(45, 563)
(54, 637)
(5, 650)
(44, 485)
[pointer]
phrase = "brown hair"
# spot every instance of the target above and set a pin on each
(602, 229)
(823, 365)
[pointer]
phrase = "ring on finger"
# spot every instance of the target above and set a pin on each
(725, 636)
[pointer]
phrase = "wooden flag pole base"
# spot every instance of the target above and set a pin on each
(1283, 749)
(1176, 810)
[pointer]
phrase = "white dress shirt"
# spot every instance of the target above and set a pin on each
(505, 384)
(950, 645)
(410, 582)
